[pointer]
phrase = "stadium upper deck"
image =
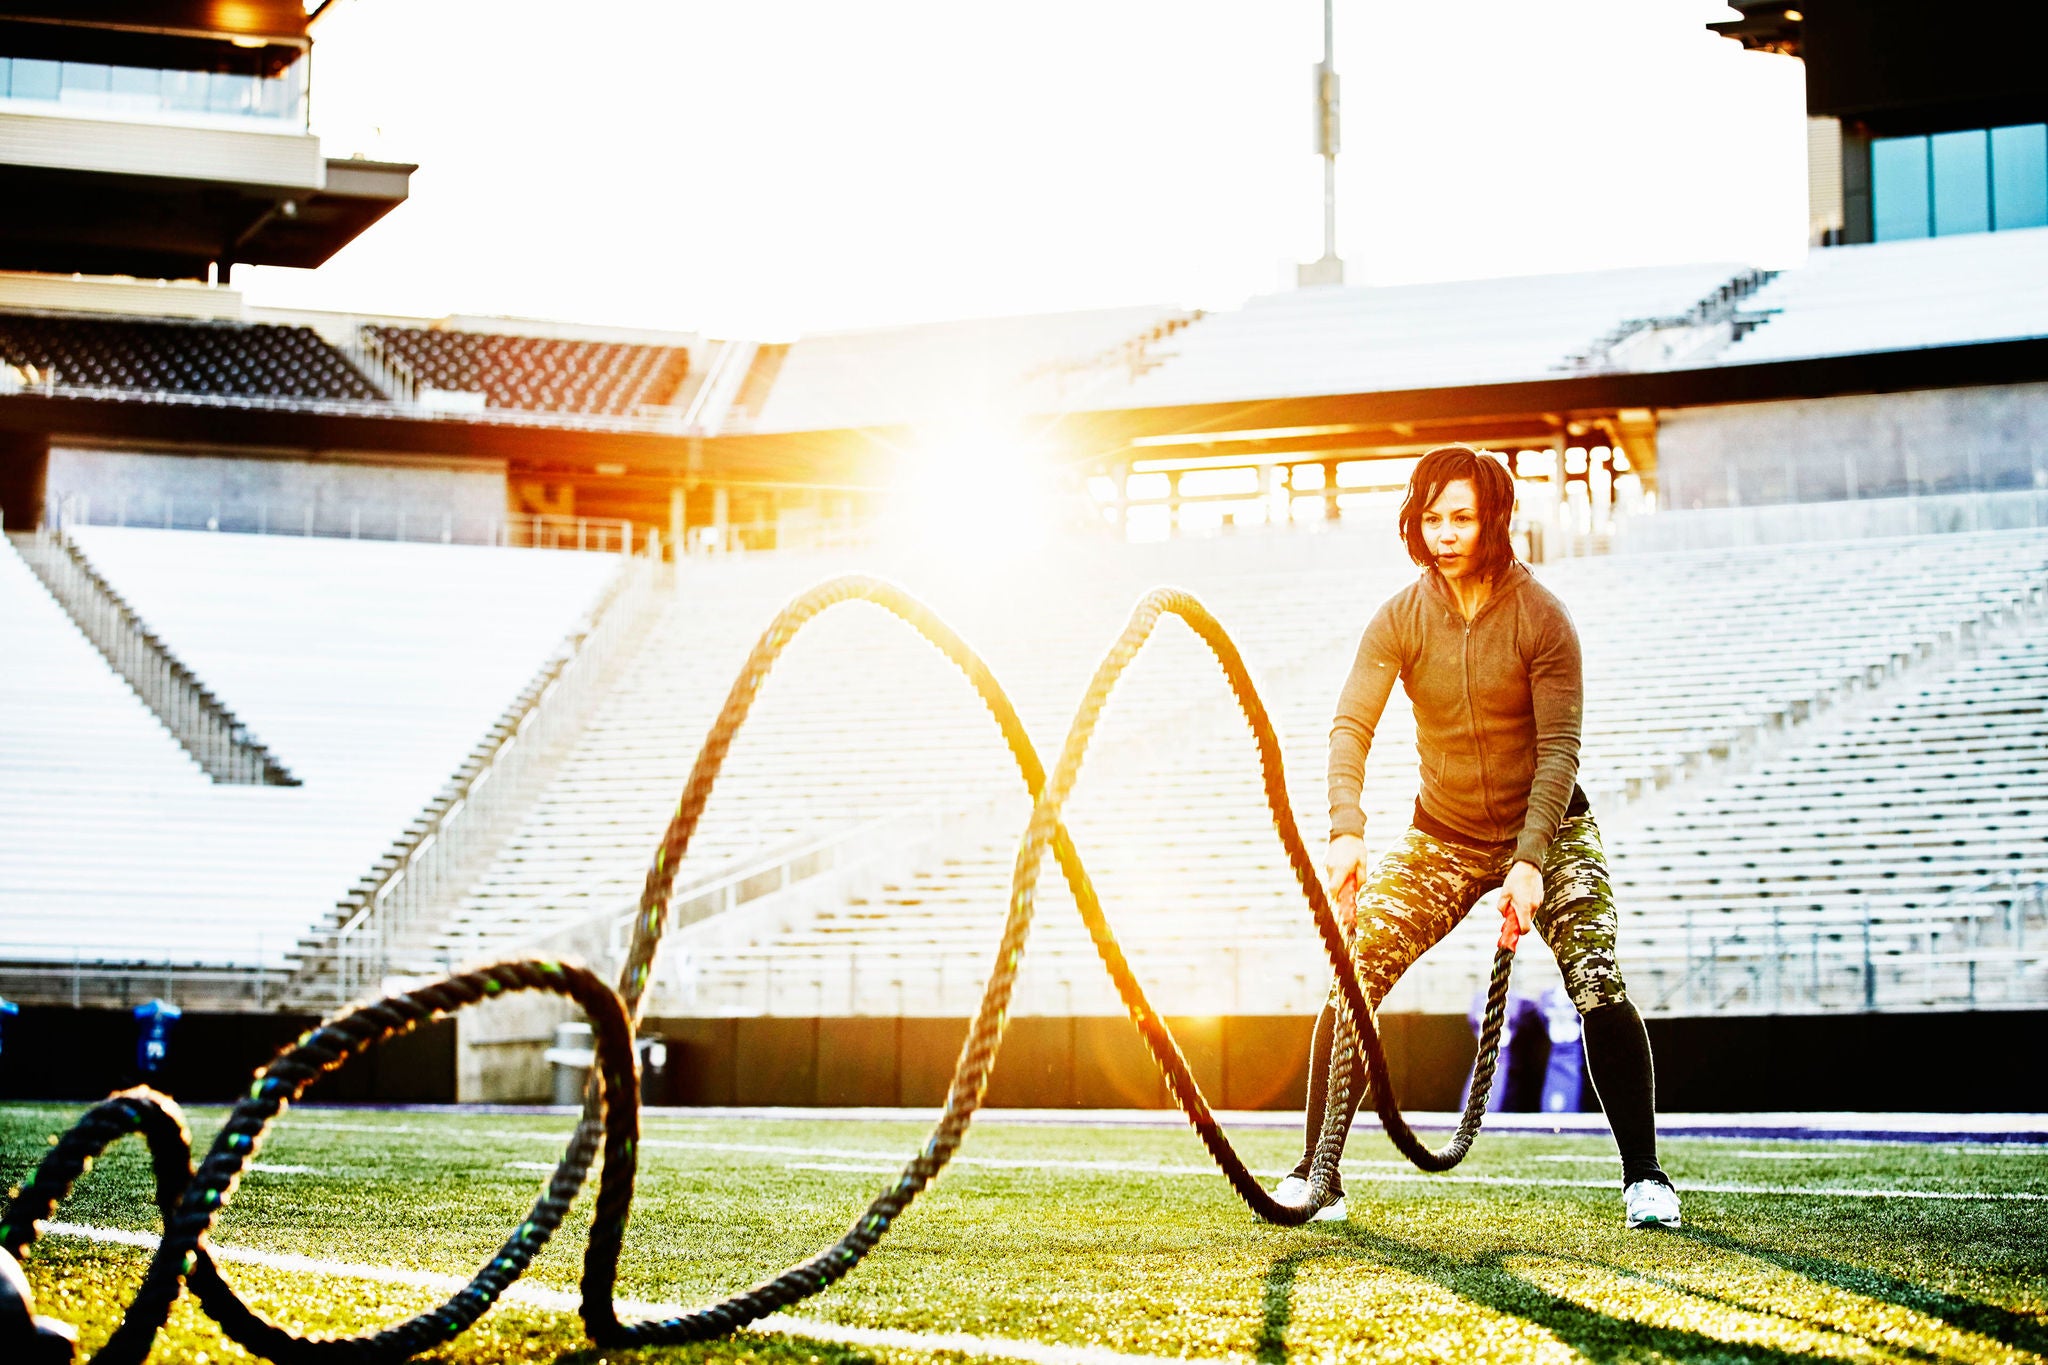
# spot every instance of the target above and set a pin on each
(1463, 334)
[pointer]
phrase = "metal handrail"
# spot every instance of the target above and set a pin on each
(668, 423)
(301, 519)
(202, 724)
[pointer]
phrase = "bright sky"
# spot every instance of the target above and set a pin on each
(778, 166)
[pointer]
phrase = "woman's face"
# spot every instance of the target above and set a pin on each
(1450, 528)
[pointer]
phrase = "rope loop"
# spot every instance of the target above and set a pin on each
(191, 1200)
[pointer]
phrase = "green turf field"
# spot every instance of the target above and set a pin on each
(1109, 1243)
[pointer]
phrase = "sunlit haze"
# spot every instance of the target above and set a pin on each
(773, 168)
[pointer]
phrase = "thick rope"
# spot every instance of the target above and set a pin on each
(191, 1201)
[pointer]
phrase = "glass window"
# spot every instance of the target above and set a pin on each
(185, 91)
(2019, 176)
(232, 94)
(136, 88)
(85, 81)
(34, 80)
(1962, 182)
(1898, 188)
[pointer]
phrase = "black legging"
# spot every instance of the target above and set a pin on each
(1617, 1057)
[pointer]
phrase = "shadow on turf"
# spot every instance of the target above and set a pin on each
(1981, 1319)
(1485, 1279)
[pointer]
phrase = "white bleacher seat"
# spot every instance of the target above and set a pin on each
(1939, 291)
(891, 375)
(1362, 339)
(369, 668)
(1687, 657)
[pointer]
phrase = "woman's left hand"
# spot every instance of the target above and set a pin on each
(1522, 895)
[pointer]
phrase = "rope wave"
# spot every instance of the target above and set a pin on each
(191, 1200)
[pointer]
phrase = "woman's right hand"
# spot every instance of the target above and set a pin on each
(1344, 865)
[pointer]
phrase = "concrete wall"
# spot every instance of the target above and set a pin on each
(1045, 1062)
(1710, 528)
(376, 497)
(53, 1053)
(1959, 1062)
(1923, 442)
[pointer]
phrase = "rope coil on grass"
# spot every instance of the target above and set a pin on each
(191, 1201)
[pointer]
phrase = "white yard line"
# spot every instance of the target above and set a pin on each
(564, 1301)
(1379, 1169)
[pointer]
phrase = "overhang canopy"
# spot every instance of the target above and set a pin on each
(248, 37)
(162, 227)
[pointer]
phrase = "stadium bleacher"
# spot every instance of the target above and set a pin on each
(1935, 291)
(943, 370)
(153, 355)
(1369, 338)
(1694, 660)
(539, 374)
(375, 664)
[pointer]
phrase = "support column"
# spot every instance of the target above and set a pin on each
(24, 477)
(1560, 533)
(1331, 512)
(721, 519)
(1637, 428)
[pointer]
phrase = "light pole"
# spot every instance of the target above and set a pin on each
(1330, 268)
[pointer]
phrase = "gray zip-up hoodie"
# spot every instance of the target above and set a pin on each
(1497, 707)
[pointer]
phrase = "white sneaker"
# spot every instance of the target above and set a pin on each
(1293, 1192)
(1651, 1204)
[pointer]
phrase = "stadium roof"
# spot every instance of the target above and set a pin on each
(176, 183)
(1904, 66)
(251, 37)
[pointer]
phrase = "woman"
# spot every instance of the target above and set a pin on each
(1490, 662)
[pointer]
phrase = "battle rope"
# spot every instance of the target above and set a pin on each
(192, 1201)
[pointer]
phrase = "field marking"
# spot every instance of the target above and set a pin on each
(1399, 1173)
(566, 1301)
(1420, 1177)
(268, 1169)
(841, 1166)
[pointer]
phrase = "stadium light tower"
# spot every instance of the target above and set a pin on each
(1330, 269)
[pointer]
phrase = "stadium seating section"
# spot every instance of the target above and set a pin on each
(134, 355)
(539, 374)
(375, 665)
(1938, 291)
(1367, 339)
(939, 371)
(864, 734)
(1818, 771)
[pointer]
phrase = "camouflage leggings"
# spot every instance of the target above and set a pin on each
(1425, 886)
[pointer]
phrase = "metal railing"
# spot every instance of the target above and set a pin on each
(453, 838)
(200, 722)
(368, 353)
(308, 518)
(1969, 952)
(102, 985)
(659, 422)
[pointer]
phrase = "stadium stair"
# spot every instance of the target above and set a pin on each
(197, 719)
(374, 665)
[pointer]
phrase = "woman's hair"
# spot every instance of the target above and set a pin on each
(1491, 484)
